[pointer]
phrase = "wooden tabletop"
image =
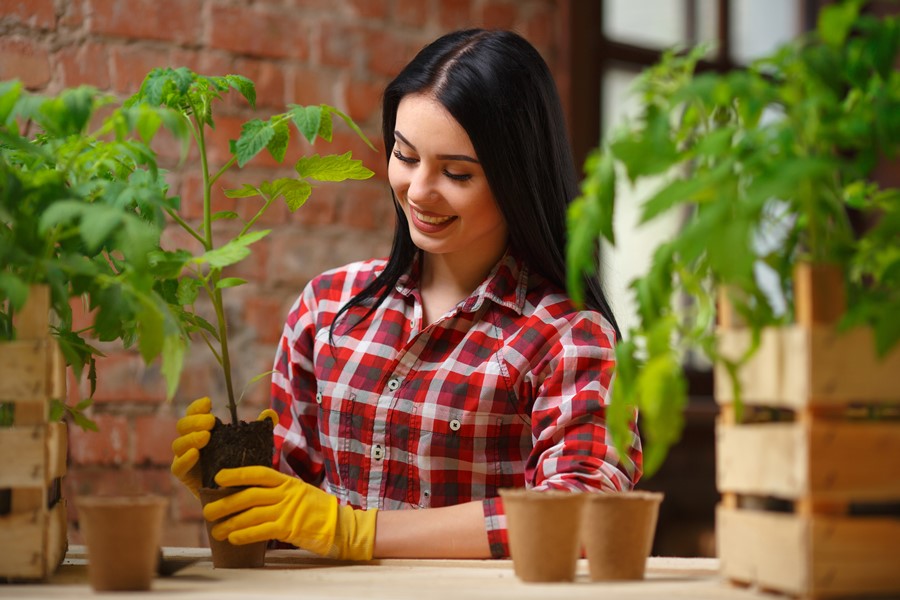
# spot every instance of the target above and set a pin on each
(299, 575)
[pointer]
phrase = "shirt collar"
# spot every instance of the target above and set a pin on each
(506, 284)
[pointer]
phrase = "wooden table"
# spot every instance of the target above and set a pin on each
(299, 575)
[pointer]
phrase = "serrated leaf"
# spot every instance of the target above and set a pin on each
(14, 289)
(307, 120)
(244, 86)
(97, 224)
(332, 167)
(188, 291)
(278, 145)
(255, 135)
(295, 192)
(246, 191)
(224, 215)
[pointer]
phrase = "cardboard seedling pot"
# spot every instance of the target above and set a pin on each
(122, 534)
(617, 533)
(543, 533)
(226, 555)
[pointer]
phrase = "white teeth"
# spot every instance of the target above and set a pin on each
(431, 220)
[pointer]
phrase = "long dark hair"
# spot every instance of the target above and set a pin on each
(499, 89)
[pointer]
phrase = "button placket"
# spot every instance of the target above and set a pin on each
(377, 452)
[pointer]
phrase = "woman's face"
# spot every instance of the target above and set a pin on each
(441, 186)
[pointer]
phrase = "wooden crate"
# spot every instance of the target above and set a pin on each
(810, 473)
(32, 372)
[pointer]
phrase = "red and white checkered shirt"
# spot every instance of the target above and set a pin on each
(506, 390)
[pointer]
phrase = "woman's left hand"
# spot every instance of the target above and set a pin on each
(281, 507)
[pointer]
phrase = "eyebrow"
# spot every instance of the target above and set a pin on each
(462, 157)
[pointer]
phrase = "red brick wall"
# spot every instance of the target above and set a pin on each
(340, 52)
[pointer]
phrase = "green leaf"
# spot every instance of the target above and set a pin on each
(10, 91)
(332, 167)
(188, 291)
(307, 119)
(277, 146)
(14, 289)
(224, 215)
(836, 20)
(244, 86)
(246, 191)
(97, 224)
(228, 282)
(173, 353)
(234, 251)
(350, 123)
(295, 192)
(255, 135)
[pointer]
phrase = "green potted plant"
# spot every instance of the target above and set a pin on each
(81, 208)
(788, 238)
(781, 149)
(203, 273)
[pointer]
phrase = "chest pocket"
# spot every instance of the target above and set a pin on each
(336, 407)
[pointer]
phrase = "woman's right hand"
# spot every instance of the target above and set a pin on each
(193, 431)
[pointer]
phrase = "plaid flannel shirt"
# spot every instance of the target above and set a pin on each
(507, 390)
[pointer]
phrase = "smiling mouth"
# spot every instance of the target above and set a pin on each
(432, 220)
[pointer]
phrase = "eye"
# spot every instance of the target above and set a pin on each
(404, 159)
(457, 176)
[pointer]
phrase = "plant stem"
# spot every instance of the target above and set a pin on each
(215, 292)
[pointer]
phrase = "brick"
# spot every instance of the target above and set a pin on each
(107, 447)
(314, 86)
(37, 14)
(259, 32)
(369, 9)
(269, 80)
(540, 26)
(153, 437)
(389, 51)
(499, 15)
(123, 377)
(367, 205)
(363, 100)
(72, 15)
(85, 64)
(411, 14)
(25, 60)
(130, 65)
(455, 14)
(178, 534)
(171, 20)
(202, 61)
(320, 209)
(265, 315)
(341, 44)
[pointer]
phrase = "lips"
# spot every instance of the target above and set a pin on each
(429, 223)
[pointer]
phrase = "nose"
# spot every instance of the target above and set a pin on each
(421, 187)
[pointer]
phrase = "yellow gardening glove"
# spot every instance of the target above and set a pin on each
(193, 431)
(284, 508)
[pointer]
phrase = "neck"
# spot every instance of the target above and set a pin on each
(447, 279)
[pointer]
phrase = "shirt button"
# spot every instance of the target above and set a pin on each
(318, 397)
(455, 425)
(393, 384)
(377, 452)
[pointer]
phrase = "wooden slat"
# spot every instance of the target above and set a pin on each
(33, 321)
(823, 460)
(25, 368)
(819, 556)
(796, 367)
(745, 540)
(820, 296)
(40, 452)
(34, 543)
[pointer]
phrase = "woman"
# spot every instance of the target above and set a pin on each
(458, 366)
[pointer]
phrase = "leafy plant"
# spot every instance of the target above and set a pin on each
(779, 151)
(81, 208)
(193, 97)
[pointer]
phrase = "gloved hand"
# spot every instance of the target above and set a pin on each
(281, 507)
(193, 431)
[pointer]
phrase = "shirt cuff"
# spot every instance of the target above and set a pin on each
(495, 524)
